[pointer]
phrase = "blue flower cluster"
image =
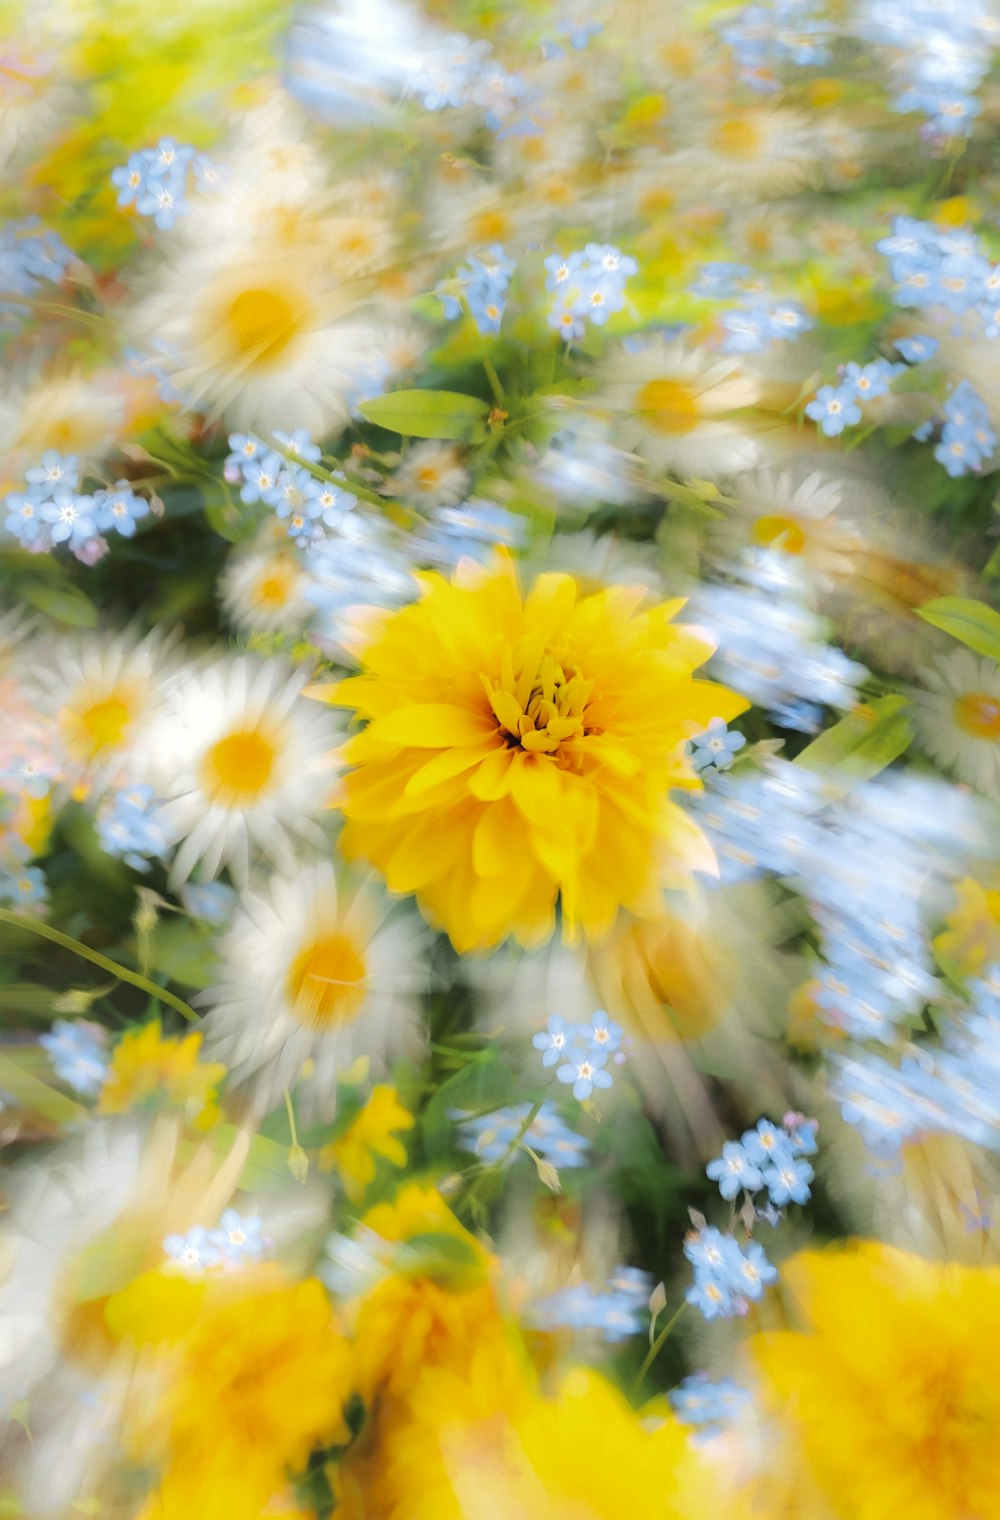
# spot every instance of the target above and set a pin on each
(709, 1404)
(483, 281)
(362, 559)
(766, 38)
(29, 255)
(79, 1055)
(936, 267)
(771, 1158)
(954, 1089)
(458, 72)
(587, 285)
(759, 319)
(155, 179)
(836, 407)
(490, 1136)
(574, 32)
(726, 1278)
(52, 510)
(301, 499)
(470, 530)
(616, 1311)
(761, 820)
(130, 826)
(944, 50)
(21, 885)
(239, 1238)
(771, 649)
(967, 439)
(583, 1050)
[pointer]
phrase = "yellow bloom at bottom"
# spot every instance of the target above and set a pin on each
(889, 1397)
(519, 751)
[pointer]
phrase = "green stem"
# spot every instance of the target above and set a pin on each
(488, 1172)
(657, 1346)
(342, 481)
(46, 931)
(499, 394)
(53, 306)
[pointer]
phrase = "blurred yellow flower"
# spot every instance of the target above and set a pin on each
(971, 938)
(147, 1064)
(371, 1135)
(261, 1379)
(419, 1317)
(519, 751)
(888, 1397)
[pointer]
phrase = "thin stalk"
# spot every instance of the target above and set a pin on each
(46, 931)
(657, 1346)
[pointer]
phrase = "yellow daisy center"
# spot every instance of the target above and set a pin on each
(739, 136)
(97, 727)
(275, 588)
(774, 530)
(669, 406)
(259, 324)
(490, 226)
(237, 769)
(979, 714)
(326, 981)
(540, 699)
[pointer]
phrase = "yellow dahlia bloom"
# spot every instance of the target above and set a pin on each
(519, 751)
(888, 1397)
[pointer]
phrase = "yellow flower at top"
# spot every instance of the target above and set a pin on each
(148, 1064)
(971, 937)
(889, 1396)
(371, 1135)
(519, 751)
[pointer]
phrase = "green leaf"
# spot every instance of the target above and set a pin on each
(184, 953)
(486, 1083)
(971, 622)
(860, 745)
(227, 516)
(65, 602)
(38, 1097)
(427, 414)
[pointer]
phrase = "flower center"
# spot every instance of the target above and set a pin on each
(540, 699)
(979, 714)
(237, 769)
(740, 136)
(668, 406)
(100, 725)
(775, 531)
(261, 323)
(490, 227)
(326, 981)
(275, 588)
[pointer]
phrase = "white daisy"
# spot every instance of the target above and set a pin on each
(103, 694)
(791, 513)
(76, 413)
(749, 153)
(262, 590)
(241, 759)
(314, 973)
(431, 476)
(958, 718)
(680, 409)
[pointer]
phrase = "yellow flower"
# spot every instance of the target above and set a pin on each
(488, 1446)
(372, 1134)
(148, 1064)
(414, 1319)
(971, 939)
(520, 751)
(260, 1380)
(889, 1395)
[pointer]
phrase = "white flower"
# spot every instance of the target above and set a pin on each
(431, 476)
(262, 590)
(314, 972)
(679, 408)
(240, 759)
(958, 718)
